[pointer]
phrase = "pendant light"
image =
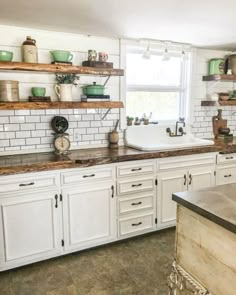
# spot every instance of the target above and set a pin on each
(147, 53)
(166, 55)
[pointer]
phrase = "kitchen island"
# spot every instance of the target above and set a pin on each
(205, 257)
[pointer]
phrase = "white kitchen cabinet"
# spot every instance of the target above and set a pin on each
(30, 228)
(177, 181)
(202, 177)
(168, 183)
(89, 214)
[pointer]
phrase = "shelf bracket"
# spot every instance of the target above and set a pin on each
(106, 81)
(106, 113)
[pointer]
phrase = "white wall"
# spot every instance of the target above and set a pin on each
(29, 130)
(202, 116)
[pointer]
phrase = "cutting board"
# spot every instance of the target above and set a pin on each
(218, 123)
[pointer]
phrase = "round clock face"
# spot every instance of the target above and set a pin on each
(59, 124)
(62, 144)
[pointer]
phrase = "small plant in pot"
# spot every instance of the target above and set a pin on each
(129, 120)
(64, 85)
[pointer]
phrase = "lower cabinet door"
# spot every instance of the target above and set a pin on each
(169, 183)
(89, 215)
(30, 228)
(202, 177)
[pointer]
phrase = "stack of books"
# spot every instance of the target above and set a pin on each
(93, 98)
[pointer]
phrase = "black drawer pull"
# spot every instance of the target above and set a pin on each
(26, 184)
(136, 169)
(91, 175)
(137, 224)
(229, 158)
(136, 185)
(135, 204)
(229, 175)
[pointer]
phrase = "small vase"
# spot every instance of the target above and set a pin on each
(64, 91)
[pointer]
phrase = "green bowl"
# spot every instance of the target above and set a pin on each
(6, 55)
(38, 91)
(61, 55)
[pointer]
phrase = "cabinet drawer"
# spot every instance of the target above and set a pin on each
(135, 185)
(225, 175)
(141, 201)
(226, 158)
(86, 175)
(135, 169)
(136, 224)
(28, 182)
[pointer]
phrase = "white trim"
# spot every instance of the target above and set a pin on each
(122, 48)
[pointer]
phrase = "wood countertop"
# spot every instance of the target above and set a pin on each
(97, 156)
(217, 204)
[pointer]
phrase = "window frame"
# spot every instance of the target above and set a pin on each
(184, 85)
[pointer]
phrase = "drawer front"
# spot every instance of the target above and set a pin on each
(135, 185)
(86, 175)
(26, 182)
(186, 161)
(136, 224)
(137, 169)
(225, 175)
(226, 158)
(143, 201)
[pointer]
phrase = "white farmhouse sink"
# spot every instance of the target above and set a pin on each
(155, 137)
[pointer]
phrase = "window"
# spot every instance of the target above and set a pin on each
(156, 86)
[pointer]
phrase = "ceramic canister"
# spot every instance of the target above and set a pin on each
(103, 56)
(216, 66)
(92, 55)
(29, 51)
(9, 90)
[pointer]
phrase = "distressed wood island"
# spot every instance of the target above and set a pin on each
(205, 257)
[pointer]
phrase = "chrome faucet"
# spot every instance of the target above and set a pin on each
(179, 131)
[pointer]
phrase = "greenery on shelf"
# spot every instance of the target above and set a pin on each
(67, 79)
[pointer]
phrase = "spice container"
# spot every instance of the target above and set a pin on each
(9, 90)
(29, 50)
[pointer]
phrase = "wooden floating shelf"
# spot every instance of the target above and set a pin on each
(208, 103)
(25, 105)
(219, 78)
(55, 68)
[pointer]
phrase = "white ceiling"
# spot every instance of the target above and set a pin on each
(203, 23)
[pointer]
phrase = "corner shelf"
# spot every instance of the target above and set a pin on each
(219, 78)
(208, 103)
(25, 105)
(55, 68)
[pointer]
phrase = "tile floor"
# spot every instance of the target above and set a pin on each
(138, 266)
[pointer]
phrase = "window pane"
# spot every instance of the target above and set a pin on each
(153, 71)
(162, 105)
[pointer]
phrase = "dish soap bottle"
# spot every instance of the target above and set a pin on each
(29, 50)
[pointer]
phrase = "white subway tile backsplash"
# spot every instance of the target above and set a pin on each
(17, 142)
(32, 119)
(17, 119)
(23, 134)
(32, 140)
(11, 127)
(27, 126)
(38, 133)
(22, 112)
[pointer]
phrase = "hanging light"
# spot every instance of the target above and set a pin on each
(166, 55)
(147, 53)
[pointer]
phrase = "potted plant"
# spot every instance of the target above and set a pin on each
(129, 120)
(64, 85)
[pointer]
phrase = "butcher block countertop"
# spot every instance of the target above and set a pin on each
(217, 204)
(97, 156)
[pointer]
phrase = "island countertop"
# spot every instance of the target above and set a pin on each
(217, 204)
(24, 163)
